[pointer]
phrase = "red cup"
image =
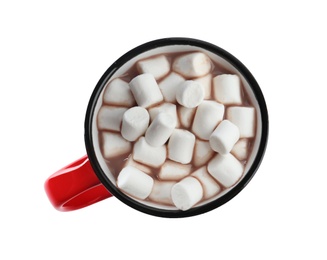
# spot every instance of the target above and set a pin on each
(85, 181)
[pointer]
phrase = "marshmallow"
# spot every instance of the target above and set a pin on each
(168, 86)
(224, 137)
(205, 82)
(181, 146)
(227, 89)
(186, 193)
(135, 182)
(114, 145)
(134, 123)
(209, 185)
(158, 66)
(202, 152)
(149, 155)
(145, 90)
(174, 171)
(226, 169)
(110, 118)
(208, 114)
(161, 192)
(189, 94)
(186, 116)
(244, 119)
(240, 149)
(194, 64)
(118, 93)
(164, 107)
(140, 166)
(160, 129)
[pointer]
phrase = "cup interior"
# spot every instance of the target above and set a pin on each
(176, 45)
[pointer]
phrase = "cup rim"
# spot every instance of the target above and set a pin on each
(146, 47)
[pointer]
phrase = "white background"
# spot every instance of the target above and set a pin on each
(51, 57)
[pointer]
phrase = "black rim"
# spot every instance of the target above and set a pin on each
(143, 48)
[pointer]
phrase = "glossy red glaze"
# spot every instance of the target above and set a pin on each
(75, 186)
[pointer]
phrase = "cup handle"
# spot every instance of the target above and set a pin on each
(75, 186)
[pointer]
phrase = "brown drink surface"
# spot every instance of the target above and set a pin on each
(116, 164)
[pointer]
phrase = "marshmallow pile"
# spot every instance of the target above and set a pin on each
(186, 132)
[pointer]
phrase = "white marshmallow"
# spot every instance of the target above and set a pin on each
(241, 149)
(244, 119)
(186, 116)
(195, 64)
(149, 155)
(226, 169)
(164, 107)
(118, 93)
(224, 137)
(161, 192)
(135, 182)
(208, 114)
(190, 94)
(205, 82)
(160, 129)
(174, 171)
(110, 118)
(114, 145)
(202, 152)
(209, 185)
(168, 86)
(227, 89)
(186, 193)
(158, 66)
(140, 166)
(181, 146)
(135, 122)
(145, 90)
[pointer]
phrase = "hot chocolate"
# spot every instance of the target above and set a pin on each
(176, 129)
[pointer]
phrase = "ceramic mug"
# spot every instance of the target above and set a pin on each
(88, 180)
